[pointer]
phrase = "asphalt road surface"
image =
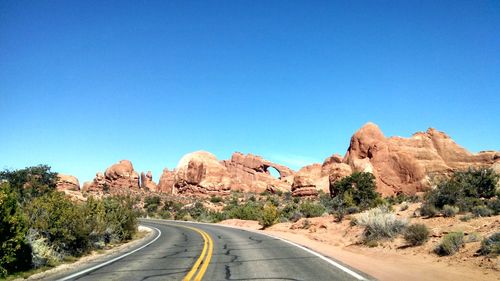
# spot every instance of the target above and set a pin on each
(188, 251)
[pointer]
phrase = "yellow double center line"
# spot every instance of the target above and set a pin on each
(204, 259)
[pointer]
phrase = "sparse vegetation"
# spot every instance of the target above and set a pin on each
(490, 246)
(380, 223)
(416, 234)
(464, 189)
(269, 215)
(450, 244)
(40, 226)
(450, 211)
(310, 209)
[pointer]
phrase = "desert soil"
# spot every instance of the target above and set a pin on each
(393, 260)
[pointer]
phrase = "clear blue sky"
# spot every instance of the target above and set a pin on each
(85, 84)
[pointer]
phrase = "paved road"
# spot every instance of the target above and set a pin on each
(186, 251)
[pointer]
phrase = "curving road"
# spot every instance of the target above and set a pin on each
(189, 251)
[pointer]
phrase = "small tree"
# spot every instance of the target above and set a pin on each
(269, 215)
(358, 189)
(31, 181)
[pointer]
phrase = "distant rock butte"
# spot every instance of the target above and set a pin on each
(400, 165)
(406, 164)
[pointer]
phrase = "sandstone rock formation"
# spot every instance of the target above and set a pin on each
(167, 181)
(147, 182)
(250, 173)
(320, 175)
(406, 164)
(199, 173)
(120, 176)
(67, 182)
(303, 186)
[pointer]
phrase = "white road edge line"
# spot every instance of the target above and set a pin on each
(328, 260)
(113, 260)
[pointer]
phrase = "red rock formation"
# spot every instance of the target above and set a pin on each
(250, 173)
(303, 186)
(67, 182)
(167, 181)
(147, 182)
(405, 164)
(118, 177)
(199, 173)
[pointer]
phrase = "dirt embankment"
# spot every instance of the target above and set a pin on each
(394, 260)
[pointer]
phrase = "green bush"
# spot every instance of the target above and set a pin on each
(464, 189)
(416, 234)
(450, 211)
(450, 244)
(358, 189)
(380, 223)
(310, 209)
(248, 211)
(61, 221)
(482, 211)
(215, 199)
(289, 210)
(494, 205)
(15, 253)
(31, 181)
(491, 245)
(151, 203)
(121, 217)
(269, 215)
(428, 210)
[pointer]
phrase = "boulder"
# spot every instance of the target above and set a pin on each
(67, 182)
(200, 173)
(303, 186)
(118, 177)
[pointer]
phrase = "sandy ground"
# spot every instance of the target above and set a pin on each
(393, 260)
(145, 232)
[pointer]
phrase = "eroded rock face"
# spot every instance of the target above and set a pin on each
(303, 186)
(147, 182)
(67, 182)
(250, 173)
(167, 181)
(405, 164)
(120, 176)
(200, 173)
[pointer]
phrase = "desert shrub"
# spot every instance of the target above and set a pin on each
(31, 181)
(494, 205)
(352, 210)
(464, 188)
(273, 200)
(491, 245)
(450, 244)
(15, 253)
(215, 199)
(151, 203)
(296, 217)
(358, 189)
(380, 223)
(42, 252)
(172, 206)
(401, 198)
(416, 234)
(61, 221)
(181, 215)
(428, 210)
(121, 217)
(269, 215)
(311, 209)
(248, 211)
(466, 217)
(450, 211)
(404, 206)
(472, 237)
(164, 214)
(289, 210)
(482, 211)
